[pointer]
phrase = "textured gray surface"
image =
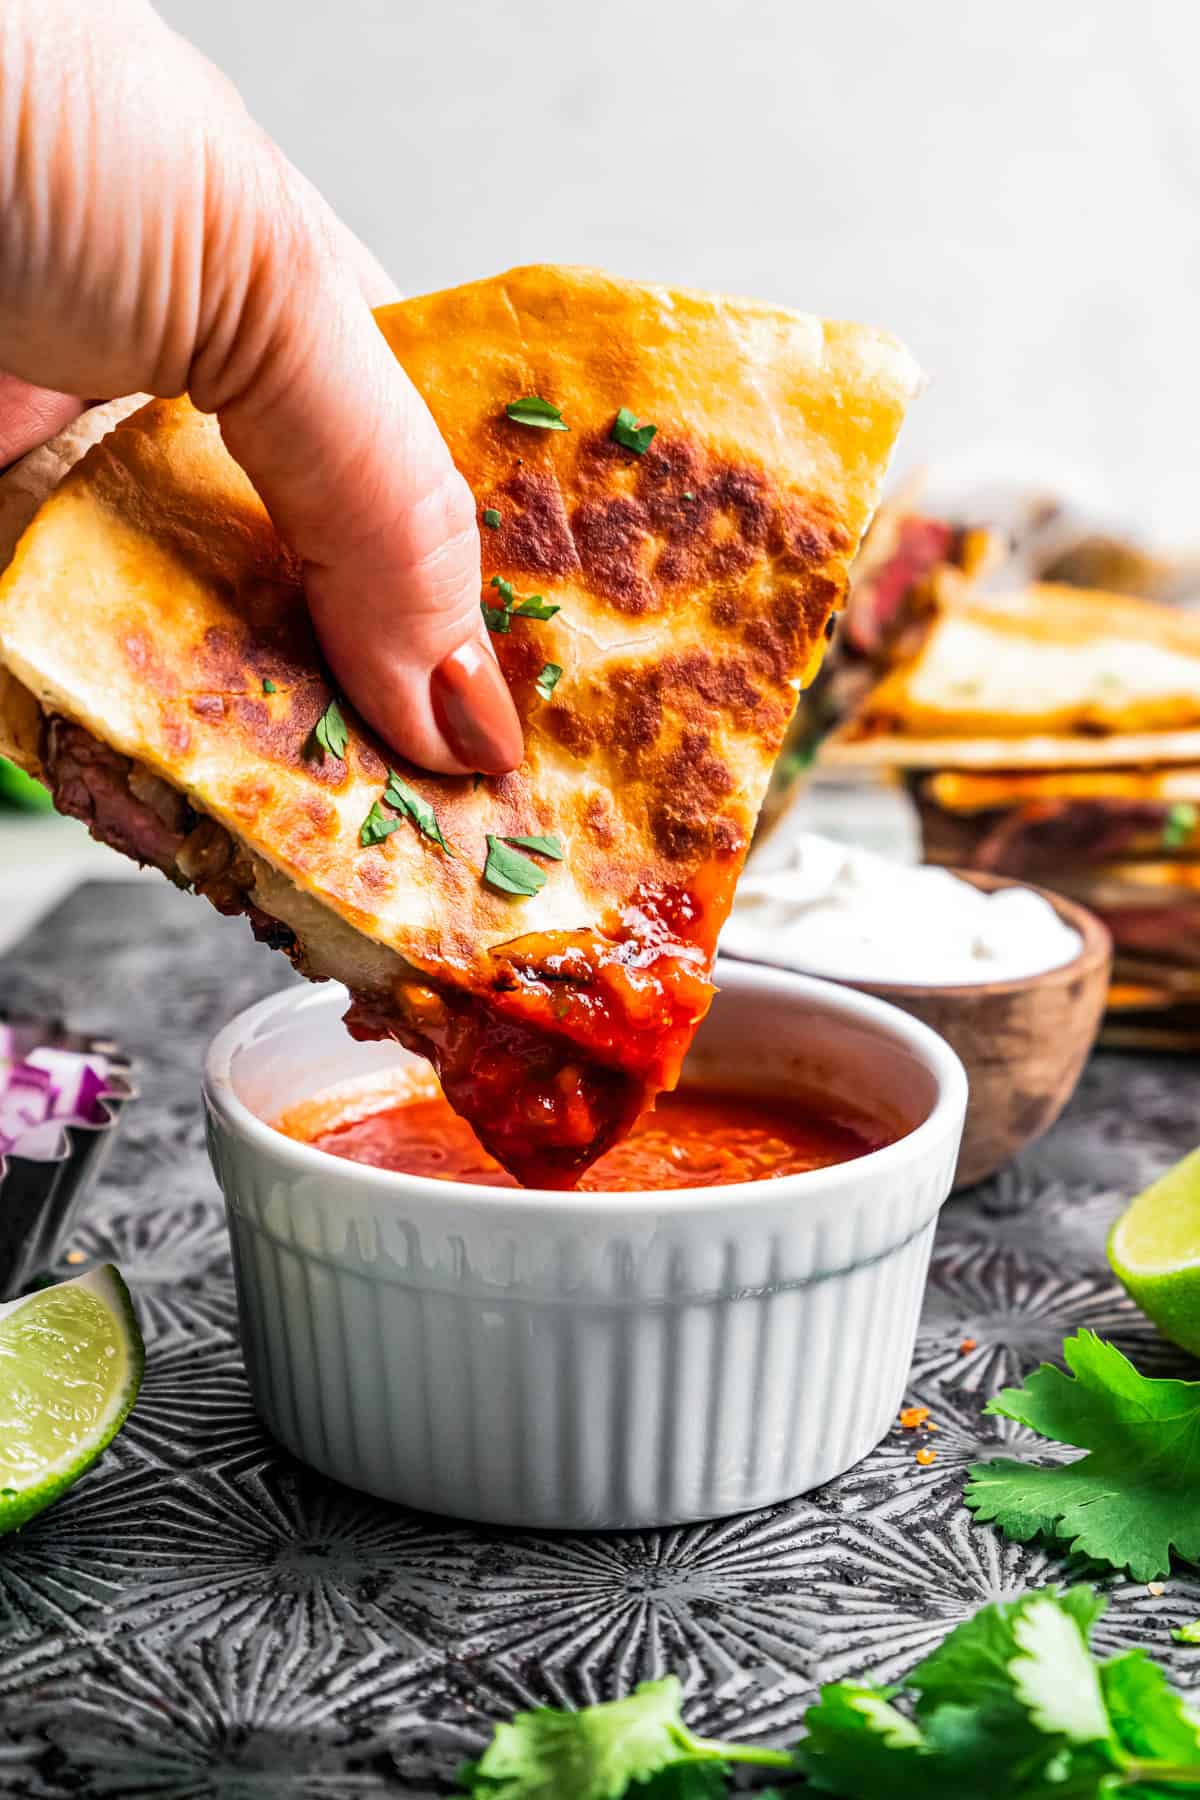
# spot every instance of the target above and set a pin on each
(203, 1618)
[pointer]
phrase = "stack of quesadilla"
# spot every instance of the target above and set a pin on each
(1053, 734)
(672, 487)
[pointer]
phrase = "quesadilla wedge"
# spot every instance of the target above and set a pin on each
(1048, 677)
(1042, 822)
(672, 487)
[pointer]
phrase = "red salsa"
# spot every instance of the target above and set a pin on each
(695, 1137)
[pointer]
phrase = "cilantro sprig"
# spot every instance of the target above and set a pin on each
(1132, 1499)
(601, 1752)
(1013, 1703)
(1012, 1706)
(549, 678)
(515, 606)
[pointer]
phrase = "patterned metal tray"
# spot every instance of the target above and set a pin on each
(202, 1617)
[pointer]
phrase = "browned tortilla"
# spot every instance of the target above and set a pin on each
(151, 600)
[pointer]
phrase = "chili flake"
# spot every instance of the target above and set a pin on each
(912, 1416)
(926, 1456)
(967, 1345)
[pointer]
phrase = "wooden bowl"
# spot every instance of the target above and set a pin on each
(1023, 1043)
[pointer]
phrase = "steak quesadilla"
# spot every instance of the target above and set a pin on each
(671, 488)
(1053, 735)
(1048, 677)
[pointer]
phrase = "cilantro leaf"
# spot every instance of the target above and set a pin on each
(534, 607)
(859, 1745)
(592, 1754)
(630, 435)
(509, 871)
(1011, 1707)
(496, 618)
(406, 800)
(548, 680)
(533, 410)
(329, 732)
(639, 1744)
(376, 826)
(1188, 1634)
(1011, 1704)
(268, 686)
(550, 845)
(500, 618)
(973, 1690)
(1149, 1719)
(689, 1781)
(1054, 1677)
(491, 518)
(1179, 825)
(1132, 1499)
(974, 1658)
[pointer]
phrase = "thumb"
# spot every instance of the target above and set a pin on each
(354, 472)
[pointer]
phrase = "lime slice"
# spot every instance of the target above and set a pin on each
(70, 1368)
(1154, 1249)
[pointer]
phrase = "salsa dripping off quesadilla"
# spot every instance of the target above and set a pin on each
(671, 488)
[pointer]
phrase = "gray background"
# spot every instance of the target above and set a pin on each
(1011, 187)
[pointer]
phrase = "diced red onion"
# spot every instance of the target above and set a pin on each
(42, 1092)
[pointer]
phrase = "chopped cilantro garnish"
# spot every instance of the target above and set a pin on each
(329, 733)
(509, 871)
(268, 685)
(688, 494)
(405, 799)
(549, 845)
(491, 518)
(534, 607)
(500, 618)
(549, 679)
(377, 826)
(533, 410)
(630, 435)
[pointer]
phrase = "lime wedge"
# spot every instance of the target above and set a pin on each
(1154, 1249)
(70, 1368)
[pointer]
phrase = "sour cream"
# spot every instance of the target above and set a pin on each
(833, 910)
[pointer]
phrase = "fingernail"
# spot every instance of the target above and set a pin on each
(475, 712)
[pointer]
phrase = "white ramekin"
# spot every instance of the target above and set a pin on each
(587, 1360)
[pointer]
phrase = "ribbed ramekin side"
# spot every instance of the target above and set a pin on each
(561, 1410)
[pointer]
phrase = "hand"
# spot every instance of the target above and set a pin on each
(155, 239)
